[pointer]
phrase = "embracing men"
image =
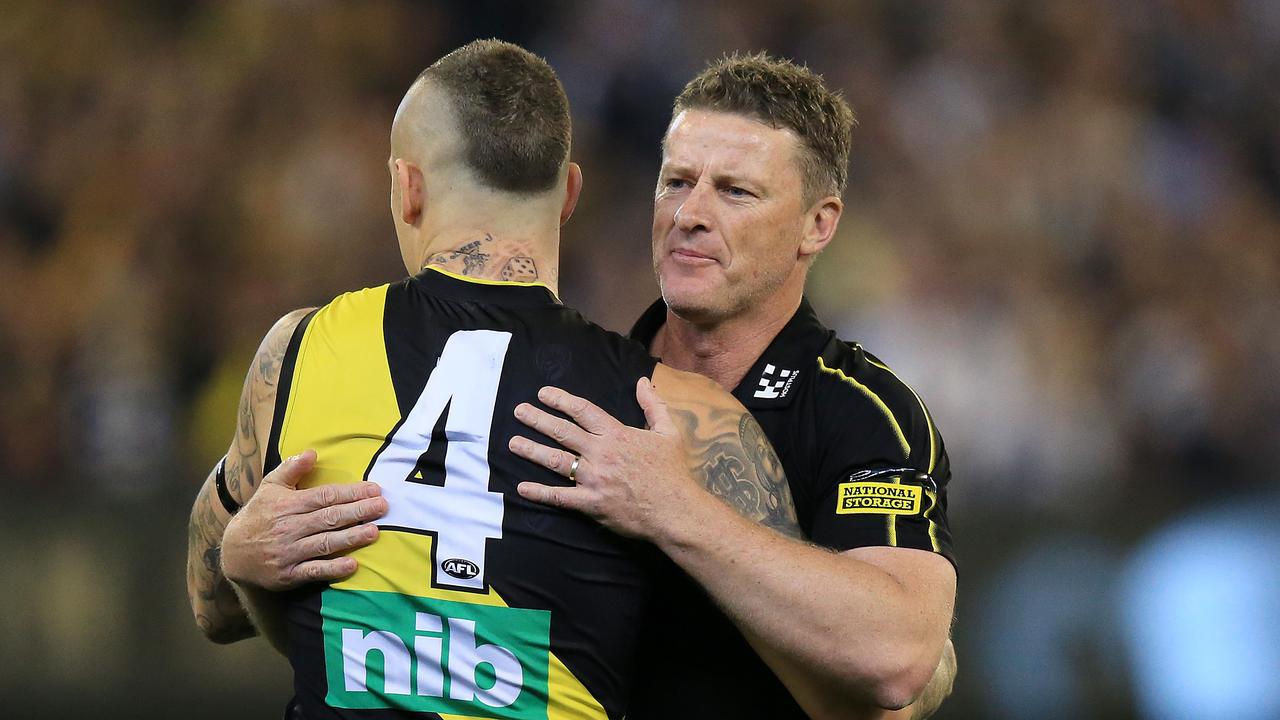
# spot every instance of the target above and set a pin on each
(850, 623)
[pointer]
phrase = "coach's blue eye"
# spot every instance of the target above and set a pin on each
(735, 191)
(676, 184)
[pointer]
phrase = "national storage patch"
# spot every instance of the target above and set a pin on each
(878, 498)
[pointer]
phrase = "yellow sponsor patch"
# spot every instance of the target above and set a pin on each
(877, 498)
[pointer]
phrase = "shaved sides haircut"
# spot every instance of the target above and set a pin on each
(512, 114)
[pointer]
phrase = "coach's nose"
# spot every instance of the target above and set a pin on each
(694, 214)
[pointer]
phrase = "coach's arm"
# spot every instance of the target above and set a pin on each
(851, 635)
(938, 689)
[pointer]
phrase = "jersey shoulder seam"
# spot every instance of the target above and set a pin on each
(852, 366)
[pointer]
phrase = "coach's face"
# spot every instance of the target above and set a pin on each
(729, 222)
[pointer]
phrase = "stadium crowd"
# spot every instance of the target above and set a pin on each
(1062, 227)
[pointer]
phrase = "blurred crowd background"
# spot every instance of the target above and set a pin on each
(1062, 227)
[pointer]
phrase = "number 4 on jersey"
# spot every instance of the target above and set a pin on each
(462, 514)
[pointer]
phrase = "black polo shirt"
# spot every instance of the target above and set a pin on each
(867, 467)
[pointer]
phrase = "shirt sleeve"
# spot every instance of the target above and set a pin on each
(881, 472)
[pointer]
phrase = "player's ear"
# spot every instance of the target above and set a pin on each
(413, 191)
(572, 189)
(820, 225)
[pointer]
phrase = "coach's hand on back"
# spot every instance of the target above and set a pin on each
(632, 481)
(285, 537)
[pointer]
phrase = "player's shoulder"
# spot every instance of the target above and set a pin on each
(354, 303)
(346, 319)
(596, 338)
(855, 384)
(589, 360)
(277, 339)
(284, 328)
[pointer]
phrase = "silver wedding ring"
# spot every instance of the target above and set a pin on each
(573, 469)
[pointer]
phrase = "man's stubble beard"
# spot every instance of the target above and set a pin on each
(717, 305)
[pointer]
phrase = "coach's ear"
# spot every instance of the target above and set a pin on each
(413, 193)
(572, 189)
(820, 225)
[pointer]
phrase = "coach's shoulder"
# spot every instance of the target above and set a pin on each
(856, 385)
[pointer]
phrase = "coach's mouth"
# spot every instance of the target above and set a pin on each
(685, 256)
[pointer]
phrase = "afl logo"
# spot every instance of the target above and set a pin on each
(459, 568)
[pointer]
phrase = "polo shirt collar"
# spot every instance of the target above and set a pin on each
(771, 381)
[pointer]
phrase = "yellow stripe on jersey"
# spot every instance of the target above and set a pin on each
(486, 281)
(572, 701)
(342, 382)
(892, 520)
(395, 564)
(884, 409)
(933, 527)
(933, 447)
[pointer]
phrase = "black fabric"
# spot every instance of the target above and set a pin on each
(828, 432)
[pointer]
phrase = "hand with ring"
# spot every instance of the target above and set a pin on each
(632, 481)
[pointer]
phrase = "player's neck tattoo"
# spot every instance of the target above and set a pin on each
(479, 258)
(472, 259)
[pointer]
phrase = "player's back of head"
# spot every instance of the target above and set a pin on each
(509, 113)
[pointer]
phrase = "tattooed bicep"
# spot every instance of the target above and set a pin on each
(257, 403)
(732, 458)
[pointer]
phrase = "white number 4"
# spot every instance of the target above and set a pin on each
(462, 514)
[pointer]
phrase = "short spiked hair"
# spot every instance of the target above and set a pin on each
(782, 94)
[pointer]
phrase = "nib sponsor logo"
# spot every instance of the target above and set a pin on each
(775, 386)
(391, 651)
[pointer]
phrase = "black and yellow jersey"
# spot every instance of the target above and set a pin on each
(866, 466)
(472, 603)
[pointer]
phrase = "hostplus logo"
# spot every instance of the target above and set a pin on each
(391, 651)
(771, 388)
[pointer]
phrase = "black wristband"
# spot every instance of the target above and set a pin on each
(220, 483)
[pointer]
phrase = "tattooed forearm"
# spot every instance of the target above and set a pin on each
(732, 458)
(213, 600)
(214, 603)
(240, 461)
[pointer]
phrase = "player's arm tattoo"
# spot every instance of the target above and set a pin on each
(213, 600)
(732, 458)
(214, 603)
(480, 256)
